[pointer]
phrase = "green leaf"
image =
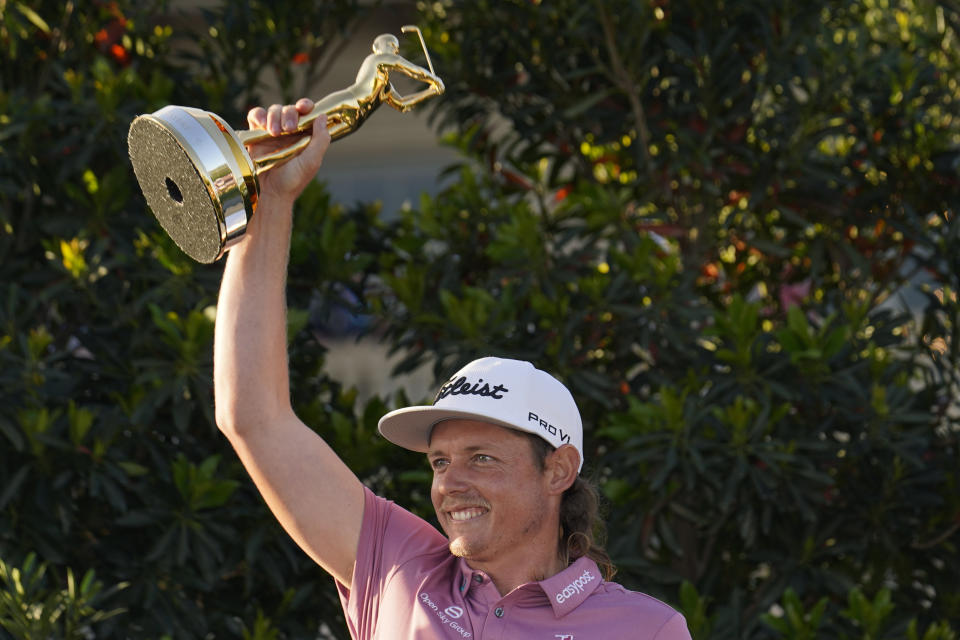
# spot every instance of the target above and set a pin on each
(34, 18)
(13, 485)
(576, 110)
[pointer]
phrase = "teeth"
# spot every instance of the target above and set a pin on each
(465, 514)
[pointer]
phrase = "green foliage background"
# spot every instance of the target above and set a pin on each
(730, 227)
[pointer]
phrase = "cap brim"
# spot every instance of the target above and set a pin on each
(410, 427)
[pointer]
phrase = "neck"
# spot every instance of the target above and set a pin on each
(527, 564)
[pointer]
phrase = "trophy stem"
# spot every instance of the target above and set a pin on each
(268, 161)
(253, 136)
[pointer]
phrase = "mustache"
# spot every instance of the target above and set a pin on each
(453, 505)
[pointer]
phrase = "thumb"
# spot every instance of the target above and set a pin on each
(312, 156)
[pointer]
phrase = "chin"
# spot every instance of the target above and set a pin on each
(462, 548)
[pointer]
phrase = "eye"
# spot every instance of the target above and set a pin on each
(438, 463)
(482, 457)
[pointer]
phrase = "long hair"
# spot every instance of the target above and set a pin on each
(582, 530)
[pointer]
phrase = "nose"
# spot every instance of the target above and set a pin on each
(451, 481)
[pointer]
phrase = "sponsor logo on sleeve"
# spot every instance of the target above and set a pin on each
(575, 587)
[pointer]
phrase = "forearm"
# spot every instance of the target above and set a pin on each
(316, 498)
(251, 380)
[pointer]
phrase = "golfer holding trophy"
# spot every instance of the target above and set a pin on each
(517, 558)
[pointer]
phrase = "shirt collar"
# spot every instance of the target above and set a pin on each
(569, 588)
(565, 591)
(469, 578)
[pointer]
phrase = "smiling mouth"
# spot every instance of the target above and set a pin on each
(462, 515)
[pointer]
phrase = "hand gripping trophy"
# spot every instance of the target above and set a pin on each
(200, 180)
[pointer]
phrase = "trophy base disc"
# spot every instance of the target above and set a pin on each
(175, 191)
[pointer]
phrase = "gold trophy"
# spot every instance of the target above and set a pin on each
(200, 179)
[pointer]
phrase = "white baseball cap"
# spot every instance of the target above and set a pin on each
(508, 393)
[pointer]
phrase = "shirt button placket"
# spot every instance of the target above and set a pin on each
(495, 626)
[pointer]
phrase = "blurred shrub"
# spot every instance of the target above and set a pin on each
(730, 228)
(110, 460)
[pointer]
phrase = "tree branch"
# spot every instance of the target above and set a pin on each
(929, 544)
(624, 81)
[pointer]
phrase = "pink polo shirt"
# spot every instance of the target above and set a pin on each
(408, 586)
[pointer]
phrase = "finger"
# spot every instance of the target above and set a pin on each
(257, 118)
(274, 122)
(289, 117)
(304, 106)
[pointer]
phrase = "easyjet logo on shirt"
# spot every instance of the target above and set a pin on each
(575, 587)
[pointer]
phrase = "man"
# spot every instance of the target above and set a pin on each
(504, 441)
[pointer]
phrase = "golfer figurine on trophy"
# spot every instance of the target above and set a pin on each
(199, 176)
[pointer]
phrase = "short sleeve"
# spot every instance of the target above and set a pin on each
(674, 629)
(389, 537)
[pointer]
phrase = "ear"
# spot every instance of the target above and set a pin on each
(561, 468)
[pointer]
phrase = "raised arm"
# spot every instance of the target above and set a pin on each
(313, 494)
